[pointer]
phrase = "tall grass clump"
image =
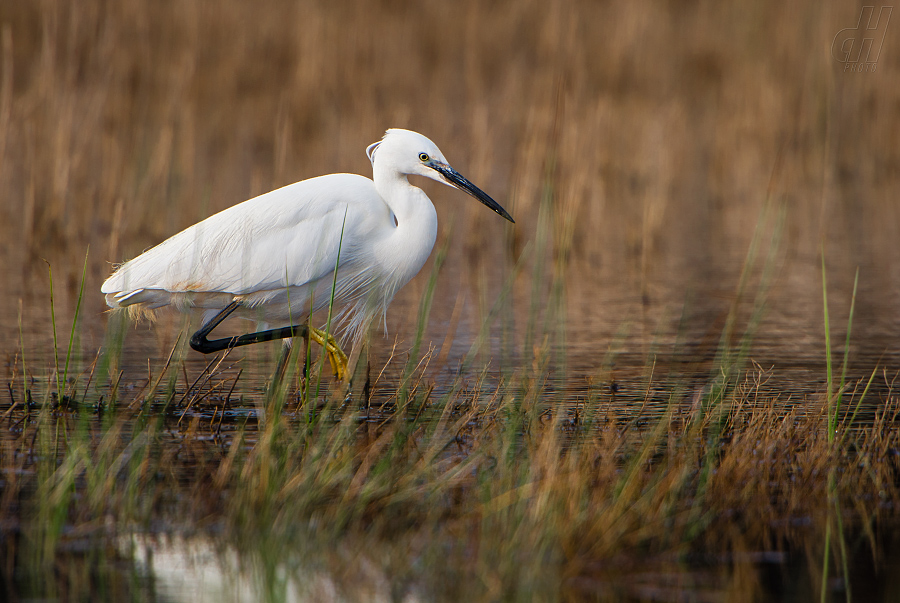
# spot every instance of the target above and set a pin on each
(834, 420)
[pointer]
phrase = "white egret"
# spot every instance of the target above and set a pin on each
(276, 258)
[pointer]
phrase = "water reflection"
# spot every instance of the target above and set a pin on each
(199, 570)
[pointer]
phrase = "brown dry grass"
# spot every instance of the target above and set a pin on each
(657, 127)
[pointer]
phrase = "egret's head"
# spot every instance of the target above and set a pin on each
(407, 152)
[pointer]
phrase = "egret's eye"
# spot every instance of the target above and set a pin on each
(423, 156)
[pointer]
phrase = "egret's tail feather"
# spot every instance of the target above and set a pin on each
(139, 305)
(136, 313)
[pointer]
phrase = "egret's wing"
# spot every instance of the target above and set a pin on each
(286, 237)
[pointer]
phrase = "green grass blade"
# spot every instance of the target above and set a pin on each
(53, 323)
(828, 369)
(337, 264)
(75, 318)
(847, 345)
(858, 405)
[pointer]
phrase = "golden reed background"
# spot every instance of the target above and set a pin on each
(655, 131)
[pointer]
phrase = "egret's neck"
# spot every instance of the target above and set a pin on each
(409, 203)
(411, 241)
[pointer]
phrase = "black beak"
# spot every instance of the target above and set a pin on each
(457, 180)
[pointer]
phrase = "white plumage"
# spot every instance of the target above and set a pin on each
(276, 254)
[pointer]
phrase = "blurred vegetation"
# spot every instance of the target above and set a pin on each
(683, 175)
(658, 128)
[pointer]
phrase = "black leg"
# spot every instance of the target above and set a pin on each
(281, 367)
(203, 345)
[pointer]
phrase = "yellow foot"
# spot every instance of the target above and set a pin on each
(336, 355)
